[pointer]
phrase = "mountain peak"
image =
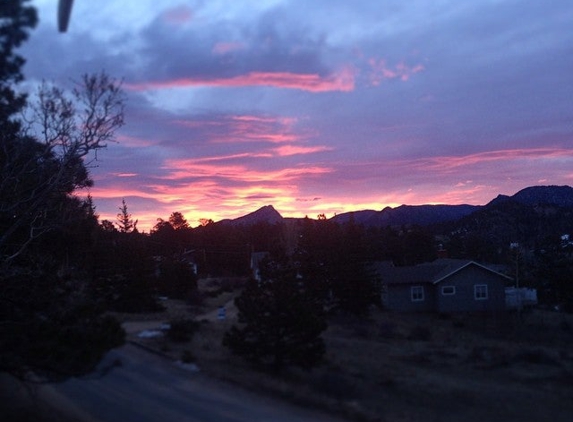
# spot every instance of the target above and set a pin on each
(266, 214)
(561, 196)
(545, 195)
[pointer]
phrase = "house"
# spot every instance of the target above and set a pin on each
(444, 285)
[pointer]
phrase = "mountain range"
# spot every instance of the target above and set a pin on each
(424, 215)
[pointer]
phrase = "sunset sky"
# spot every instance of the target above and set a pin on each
(320, 106)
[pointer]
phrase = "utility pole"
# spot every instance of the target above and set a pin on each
(515, 247)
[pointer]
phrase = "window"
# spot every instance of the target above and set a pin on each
(417, 293)
(480, 292)
(448, 290)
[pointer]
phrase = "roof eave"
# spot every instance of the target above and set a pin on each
(464, 266)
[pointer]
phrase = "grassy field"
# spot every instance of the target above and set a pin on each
(399, 367)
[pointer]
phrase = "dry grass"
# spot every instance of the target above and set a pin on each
(397, 367)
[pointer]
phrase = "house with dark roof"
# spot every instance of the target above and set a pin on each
(444, 285)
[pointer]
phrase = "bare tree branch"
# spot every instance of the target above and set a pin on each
(49, 158)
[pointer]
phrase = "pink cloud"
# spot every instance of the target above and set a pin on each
(221, 190)
(451, 163)
(178, 15)
(265, 119)
(124, 174)
(283, 151)
(118, 191)
(271, 137)
(219, 158)
(381, 71)
(340, 81)
(245, 128)
(221, 48)
(191, 169)
(233, 184)
(460, 195)
(289, 150)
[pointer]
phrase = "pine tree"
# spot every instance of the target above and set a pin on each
(16, 19)
(51, 327)
(125, 223)
(280, 324)
(334, 262)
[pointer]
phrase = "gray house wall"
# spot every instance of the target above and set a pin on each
(399, 298)
(464, 299)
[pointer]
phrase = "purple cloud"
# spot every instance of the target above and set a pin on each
(350, 104)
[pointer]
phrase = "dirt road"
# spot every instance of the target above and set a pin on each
(147, 388)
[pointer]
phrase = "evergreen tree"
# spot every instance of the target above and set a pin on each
(125, 223)
(333, 260)
(176, 279)
(280, 323)
(50, 325)
(16, 20)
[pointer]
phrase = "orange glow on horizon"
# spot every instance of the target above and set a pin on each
(147, 220)
(222, 187)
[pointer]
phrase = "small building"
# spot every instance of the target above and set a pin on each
(444, 285)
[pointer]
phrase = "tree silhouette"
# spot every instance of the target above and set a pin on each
(280, 323)
(125, 223)
(17, 20)
(44, 163)
(178, 221)
(333, 259)
(51, 326)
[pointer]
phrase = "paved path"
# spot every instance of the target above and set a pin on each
(149, 388)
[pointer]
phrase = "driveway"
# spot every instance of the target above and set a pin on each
(149, 388)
